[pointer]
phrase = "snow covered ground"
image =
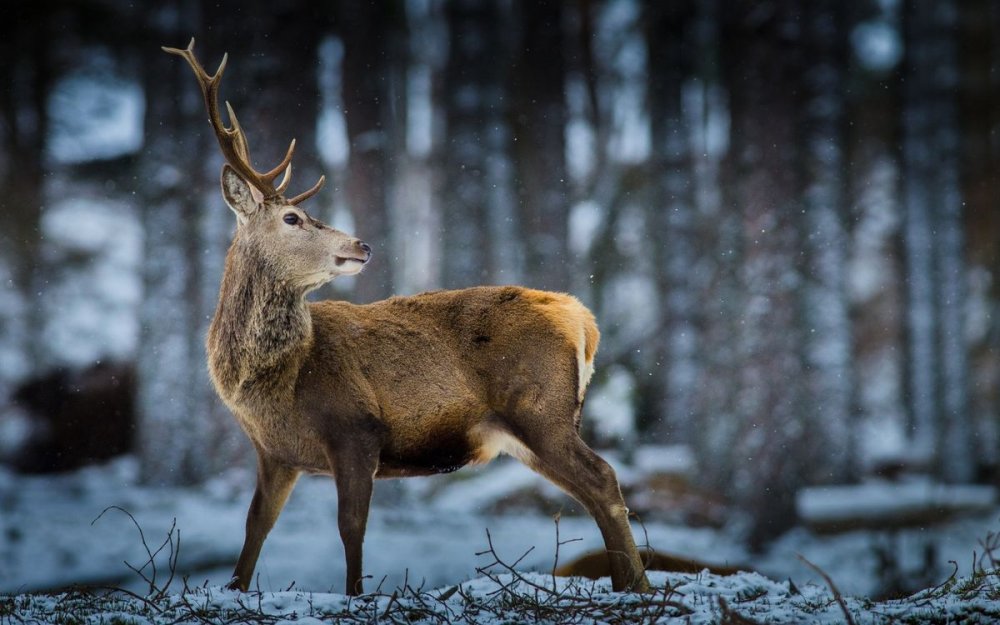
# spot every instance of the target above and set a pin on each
(51, 536)
(744, 599)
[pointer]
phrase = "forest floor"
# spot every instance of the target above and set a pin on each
(437, 553)
(494, 598)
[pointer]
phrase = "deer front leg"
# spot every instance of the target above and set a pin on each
(354, 472)
(274, 483)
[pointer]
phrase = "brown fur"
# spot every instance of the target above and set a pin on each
(406, 386)
(426, 369)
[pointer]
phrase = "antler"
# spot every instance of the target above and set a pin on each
(233, 141)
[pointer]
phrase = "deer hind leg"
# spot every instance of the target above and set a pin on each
(588, 478)
(274, 483)
(541, 413)
(545, 423)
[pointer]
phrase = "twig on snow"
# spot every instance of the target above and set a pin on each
(833, 588)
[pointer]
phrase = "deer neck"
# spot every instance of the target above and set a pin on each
(261, 332)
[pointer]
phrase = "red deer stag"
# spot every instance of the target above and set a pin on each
(406, 386)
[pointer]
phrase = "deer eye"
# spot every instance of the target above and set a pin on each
(292, 219)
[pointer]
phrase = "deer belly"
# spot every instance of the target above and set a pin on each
(443, 453)
(449, 450)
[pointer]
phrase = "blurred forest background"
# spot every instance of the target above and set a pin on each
(783, 213)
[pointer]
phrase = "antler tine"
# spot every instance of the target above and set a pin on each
(203, 76)
(233, 140)
(239, 137)
(285, 179)
(308, 194)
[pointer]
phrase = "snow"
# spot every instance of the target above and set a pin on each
(886, 501)
(331, 130)
(420, 112)
(91, 301)
(580, 142)
(877, 45)
(609, 405)
(97, 113)
(664, 459)
(15, 430)
(584, 223)
(53, 534)
(629, 309)
(502, 598)
(49, 536)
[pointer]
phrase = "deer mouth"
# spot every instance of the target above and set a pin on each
(340, 261)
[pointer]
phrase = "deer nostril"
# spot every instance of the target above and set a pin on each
(365, 247)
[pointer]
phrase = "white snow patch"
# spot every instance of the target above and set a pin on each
(665, 459)
(97, 114)
(877, 501)
(331, 132)
(585, 219)
(877, 45)
(90, 304)
(610, 405)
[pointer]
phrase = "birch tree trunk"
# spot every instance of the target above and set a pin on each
(938, 374)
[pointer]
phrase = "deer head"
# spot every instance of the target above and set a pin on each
(303, 251)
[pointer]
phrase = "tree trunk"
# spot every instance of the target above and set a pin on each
(934, 243)
(170, 443)
(828, 381)
(371, 95)
(774, 441)
(717, 422)
(538, 126)
(672, 219)
(876, 285)
(27, 73)
(476, 129)
(980, 115)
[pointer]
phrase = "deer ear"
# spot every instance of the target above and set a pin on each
(241, 197)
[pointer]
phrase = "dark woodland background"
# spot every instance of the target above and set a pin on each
(783, 213)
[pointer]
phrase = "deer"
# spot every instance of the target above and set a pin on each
(407, 386)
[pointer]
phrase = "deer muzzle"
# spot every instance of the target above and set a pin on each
(361, 253)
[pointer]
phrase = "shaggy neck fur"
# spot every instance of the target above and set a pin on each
(261, 330)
